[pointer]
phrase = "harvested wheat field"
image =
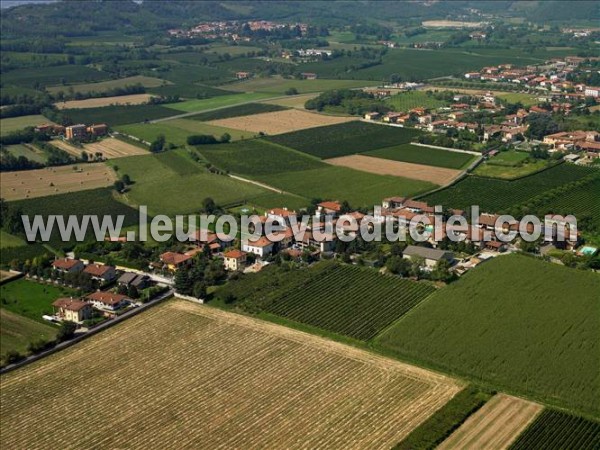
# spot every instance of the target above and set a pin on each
(67, 147)
(437, 175)
(280, 121)
(55, 180)
(133, 99)
(182, 375)
(495, 426)
(114, 148)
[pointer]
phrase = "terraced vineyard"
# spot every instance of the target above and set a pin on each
(554, 430)
(498, 196)
(352, 301)
(182, 375)
(345, 139)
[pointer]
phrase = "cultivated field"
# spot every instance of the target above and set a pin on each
(103, 86)
(498, 423)
(277, 85)
(288, 390)
(436, 175)
(133, 99)
(545, 344)
(451, 24)
(280, 121)
(120, 114)
(54, 180)
(11, 124)
(294, 101)
(429, 156)
(16, 332)
(246, 109)
(114, 148)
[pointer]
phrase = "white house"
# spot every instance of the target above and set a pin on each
(261, 247)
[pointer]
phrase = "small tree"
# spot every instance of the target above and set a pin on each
(66, 331)
(291, 91)
(125, 179)
(119, 186)
(225, 138)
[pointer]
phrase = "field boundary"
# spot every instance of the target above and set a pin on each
(448, 149)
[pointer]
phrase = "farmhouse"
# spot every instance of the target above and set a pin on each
(234, 260)
(108, 301)
(242, 75)
(72, 310)
(393, 202)
(261, 247)
(280, 214)
(98, 130)
(67, 265)
(101, 272)
(331, 208)
(308, 75)
(372, 115)
(205, 238)
(430, 255)
(76, 131)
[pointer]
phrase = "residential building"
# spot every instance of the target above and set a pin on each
(108, 301)
(67, 265)
(72, 310)
(133, 279)
(76, 131)
(174, 260)
(372, 115)
(98, 129)
(331, 208)
(308, 75)
(282, 215)
(431, 255)
(393, 202)
(242, 75)
(261, 247)
(234, 260)
(592, 91)
(101, 272)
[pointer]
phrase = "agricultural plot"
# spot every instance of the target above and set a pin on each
(498, 195)
(544, 343)
(28, 151)
(119, 115)
(11, 124)
(172, 183)
(54, 180)
(510, 172)
(277, 85)
(495, 425)
(103, 86)
(351, 301)
(237, 111)
(199, 105)
(435, 175)
(424, 155)
(294, 101)
(280, 121)
(349, 398)
(8, 240)
(113, 148)
(256, 157)
(555, 430)
(16, 332)
(133, 99)
(54, 75)
(345, 139)
(405, 101)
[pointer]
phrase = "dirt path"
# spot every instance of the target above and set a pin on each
(495, 426)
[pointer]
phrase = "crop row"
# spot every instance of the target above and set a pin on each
(345, 139)
(351, 301)
(237, 111)
(499, 196)
(554, 430)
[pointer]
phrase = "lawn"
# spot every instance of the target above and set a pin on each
(171, 183)
(11, 124)
(510, 158)
(102, 86)
(508, 172)
(278, 85)
(405, 101)
(16, 332)
(517, 323)
(120, 115)
(217, 102)
(31, 299)
(345, 139)
(424, 155)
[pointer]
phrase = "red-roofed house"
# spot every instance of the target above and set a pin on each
(67, 265)
(101, 272)
(72, 310)
(174, 260)
(108, 300)
(234, 259)
(332, 208)
(261, 247)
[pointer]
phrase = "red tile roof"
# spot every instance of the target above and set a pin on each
(237, 254)
(174, 258)
(108, 298)
(97, 270)
(65, 263)
(69, 304)
(333, 206)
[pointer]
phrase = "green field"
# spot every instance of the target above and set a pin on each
(237, 111)
(556, 430)
(444, 421)
(10, 241)
(102, 86)
(344, 139)
(515, 322)
(405, 101)
(257, 157)
(171, 183)
(18, 123)
(119, 115)
(498, 195)
(278, 85)
(507, 172)
(510, 158)
(31, 299)
(424, 155)
(16, 332)
(23, 150)
(347, 300)
(54, 75)
(217, 102)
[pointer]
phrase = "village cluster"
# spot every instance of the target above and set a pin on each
(231, 30)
